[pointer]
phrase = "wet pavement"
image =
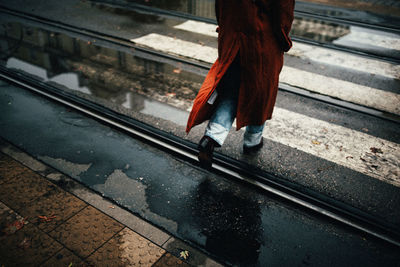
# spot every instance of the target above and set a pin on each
(347, 156)
(232, 221)
(44, 225)
(158, 91)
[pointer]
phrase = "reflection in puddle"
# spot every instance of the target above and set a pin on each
(315, 30)
(70, 80)
(126, 79)
(373, 12)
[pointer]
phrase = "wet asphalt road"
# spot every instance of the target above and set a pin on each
(148, 89)
(234, 222)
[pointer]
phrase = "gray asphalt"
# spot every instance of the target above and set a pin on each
(233, 222)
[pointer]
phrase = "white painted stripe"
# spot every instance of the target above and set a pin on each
(178, 47)
(370, 37)
(340, 145)
(345, 60)
(344, 90)
(198, 27)
(322, 55)
(355, 93)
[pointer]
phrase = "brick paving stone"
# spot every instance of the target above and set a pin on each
(127, 248)
(64, 258)
(27, 247)
(57, 205)
(7, 218)
(170, 260)
(86, 231)
(9, 168)
(23, 189)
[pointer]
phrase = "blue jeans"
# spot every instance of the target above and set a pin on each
(221, 121)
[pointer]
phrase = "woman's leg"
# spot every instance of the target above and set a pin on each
(221, 121)
(225, 112)
(252, 139)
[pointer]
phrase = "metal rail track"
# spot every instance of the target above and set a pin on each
(298, 13)
(301, 14)
(310, 200)
(122, 43)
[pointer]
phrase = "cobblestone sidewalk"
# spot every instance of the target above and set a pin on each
(44, 225)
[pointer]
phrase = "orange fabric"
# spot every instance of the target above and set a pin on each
(259, 32)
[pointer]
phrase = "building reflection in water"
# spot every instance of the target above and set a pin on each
(125, 78)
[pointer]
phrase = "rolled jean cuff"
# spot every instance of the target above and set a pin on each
(217, 132)
(253, 135)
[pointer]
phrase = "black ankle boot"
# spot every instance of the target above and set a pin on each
(206, 149)
(252, 149)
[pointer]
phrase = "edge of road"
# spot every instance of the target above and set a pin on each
(149, 231)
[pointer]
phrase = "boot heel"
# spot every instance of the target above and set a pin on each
(206, 149)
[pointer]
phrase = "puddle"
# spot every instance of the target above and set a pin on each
(127, 80)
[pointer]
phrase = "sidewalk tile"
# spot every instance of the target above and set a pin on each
(7, 218)
(9, 168)
(55, 207)
(64, 258)
(127, 248)
(27, 247)
(195, 258)
(86, 231)
(170, 260)
(21, 190)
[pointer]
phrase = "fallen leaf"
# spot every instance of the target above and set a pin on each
(184, 254)
(376, 150)
(15, 226)
(315, 142)
(47, 218)
(70, 265)
(111, 207)
(177, 71)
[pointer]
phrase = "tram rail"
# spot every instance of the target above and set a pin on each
(298, 13)
(310, 200)
(122, 43)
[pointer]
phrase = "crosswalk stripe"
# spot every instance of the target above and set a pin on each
(346, 61)
(351, 92)
(178, 47)
(370, 37)
(337, 144)
(323, 55)
(198, 27)
(355, 93)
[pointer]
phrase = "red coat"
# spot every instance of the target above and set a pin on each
(259, 30)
